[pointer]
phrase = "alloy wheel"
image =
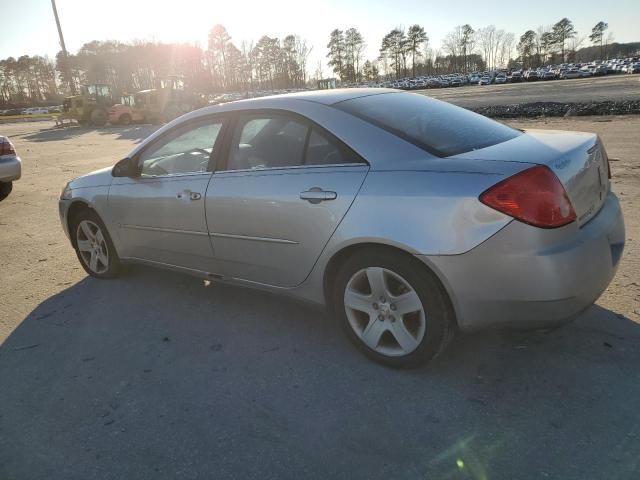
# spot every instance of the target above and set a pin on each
(92, 246)
(384, 311)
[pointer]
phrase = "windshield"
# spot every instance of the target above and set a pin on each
(437, 127)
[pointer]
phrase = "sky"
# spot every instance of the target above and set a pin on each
(28, 26)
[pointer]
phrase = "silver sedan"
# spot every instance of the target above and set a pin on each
(409, 218)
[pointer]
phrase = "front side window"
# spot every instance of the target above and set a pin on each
(184, 151)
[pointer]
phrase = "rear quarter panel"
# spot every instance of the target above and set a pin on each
(424, 212)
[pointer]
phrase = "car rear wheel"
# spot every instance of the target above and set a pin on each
(5, 189)
(125, 119)
(393, 308)
(94, 247)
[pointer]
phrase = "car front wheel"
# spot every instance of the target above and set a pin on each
(393, 308)
(94, 247)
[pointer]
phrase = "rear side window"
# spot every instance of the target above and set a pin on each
(437, 127)
(324, 151)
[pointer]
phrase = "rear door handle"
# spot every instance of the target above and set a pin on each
(317, 195)
(188, 194)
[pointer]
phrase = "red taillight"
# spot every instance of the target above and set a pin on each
(6, 148)
(534, 196)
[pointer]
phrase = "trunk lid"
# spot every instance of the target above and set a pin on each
(578, 159)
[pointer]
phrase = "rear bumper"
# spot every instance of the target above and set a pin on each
(10, 168)
(525, 276)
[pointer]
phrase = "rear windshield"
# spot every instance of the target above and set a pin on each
(437, 127)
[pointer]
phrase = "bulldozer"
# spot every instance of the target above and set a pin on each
(168, 101)
(91, 107)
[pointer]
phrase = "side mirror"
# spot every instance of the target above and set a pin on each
(125, 168)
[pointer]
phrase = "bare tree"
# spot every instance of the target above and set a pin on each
(487, 44)
(219, 39)
(507, 43)
(452, 43)
(608, 40)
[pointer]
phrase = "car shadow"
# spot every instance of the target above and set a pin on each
(131, 132)
(156, 375)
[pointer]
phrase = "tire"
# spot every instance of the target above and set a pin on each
(125, 119)
(107, 261)
(5, 189)
(99, 117)
(406, 280)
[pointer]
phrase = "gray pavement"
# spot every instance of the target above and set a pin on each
(157, 377)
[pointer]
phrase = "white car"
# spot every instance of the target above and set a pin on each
(10, 167)
(501, 78)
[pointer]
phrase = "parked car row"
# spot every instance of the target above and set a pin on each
(547, 72)
(568, 71)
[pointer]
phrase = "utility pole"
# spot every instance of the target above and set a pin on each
(65, 56)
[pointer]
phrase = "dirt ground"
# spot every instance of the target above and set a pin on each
(156, 376)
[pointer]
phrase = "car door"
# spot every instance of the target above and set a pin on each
(273, 205)
(160, 213)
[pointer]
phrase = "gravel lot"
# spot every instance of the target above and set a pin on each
(155, 376)
(617, 87)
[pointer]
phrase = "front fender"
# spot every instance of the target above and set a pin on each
(95, 198)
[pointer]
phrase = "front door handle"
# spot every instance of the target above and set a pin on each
(317, 195)
(188, 195)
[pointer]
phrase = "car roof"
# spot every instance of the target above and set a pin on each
(325, 97)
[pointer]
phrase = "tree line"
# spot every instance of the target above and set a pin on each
(559, 43)
(269, 63)
(407, 52)
(274, 63)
